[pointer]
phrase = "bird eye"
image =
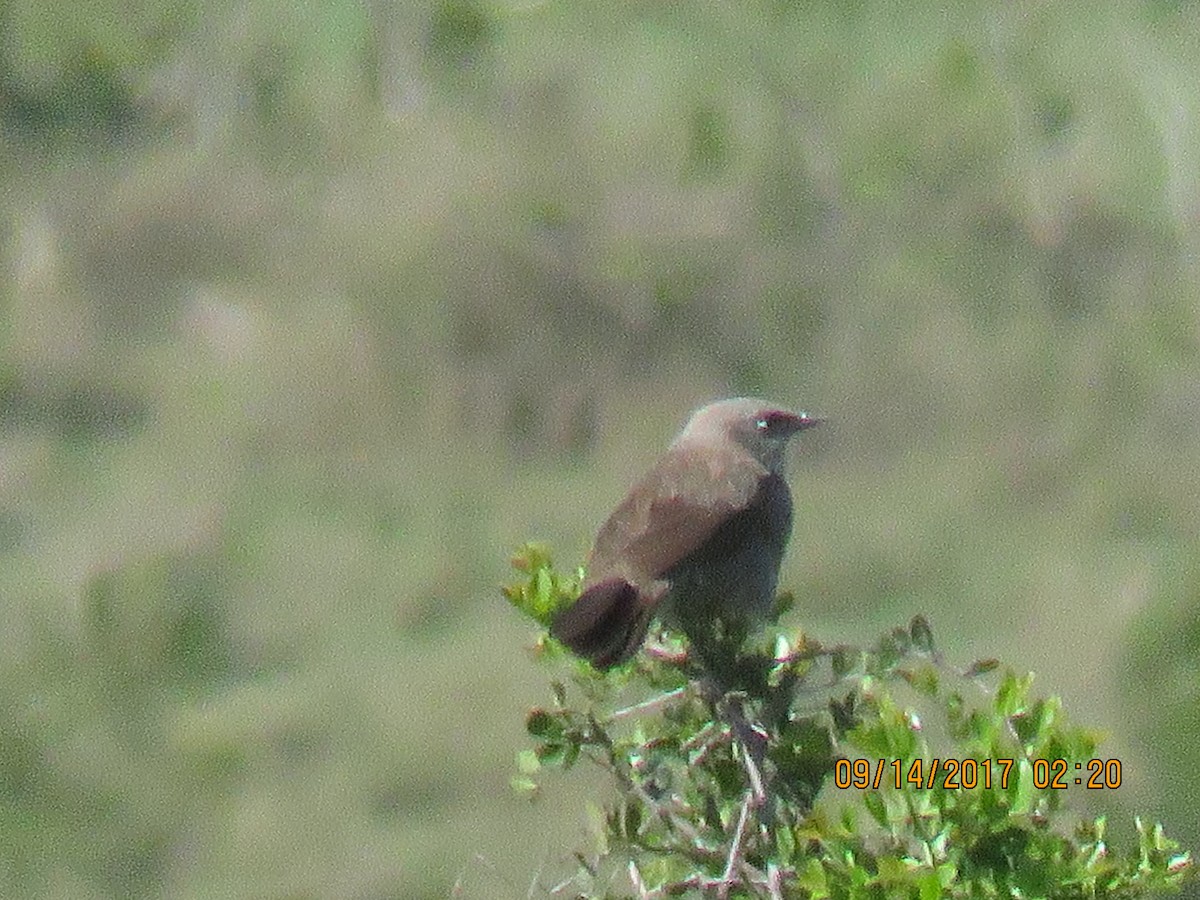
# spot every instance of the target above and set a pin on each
(776, 423)
(769, 422)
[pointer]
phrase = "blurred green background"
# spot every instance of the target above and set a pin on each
(311, 313)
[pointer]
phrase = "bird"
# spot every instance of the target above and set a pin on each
(697, 541)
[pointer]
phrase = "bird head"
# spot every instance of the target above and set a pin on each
(762, 428)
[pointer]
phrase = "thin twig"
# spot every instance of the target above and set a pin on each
(713, 737)
(774, 881)
(675, 823)
(635, 876)
(753, 743)
(735, 851)
(645, 705)
(677, 658)
(699, 738)
(755, 776)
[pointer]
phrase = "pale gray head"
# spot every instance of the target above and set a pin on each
(761, 427)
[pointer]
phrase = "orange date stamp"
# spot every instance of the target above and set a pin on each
(969, 774)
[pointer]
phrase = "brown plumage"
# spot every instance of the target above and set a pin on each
(699, 539)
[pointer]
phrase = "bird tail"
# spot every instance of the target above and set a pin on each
(607, 624)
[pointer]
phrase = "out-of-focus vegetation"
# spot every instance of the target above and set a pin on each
(309, 313)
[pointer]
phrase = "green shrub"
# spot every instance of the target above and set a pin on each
(830, 772)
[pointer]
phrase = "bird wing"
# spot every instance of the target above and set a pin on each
(672, 511)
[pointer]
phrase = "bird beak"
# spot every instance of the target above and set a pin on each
(801, 421)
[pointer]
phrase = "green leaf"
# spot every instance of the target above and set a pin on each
(570, 754)
(524, 786)
(543, 591)
(893, 871)
(542, 724)
(528, 762)
(1012, 693)
(1023, 791)
(893, 647)
(552, 754)
(921, 635)
(873, 801)
(982, 667)
(929, 885)
(812, 880)
(844, 660)
(785, 845)
(923, 678)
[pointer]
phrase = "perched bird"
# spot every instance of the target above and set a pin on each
(697, 541)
